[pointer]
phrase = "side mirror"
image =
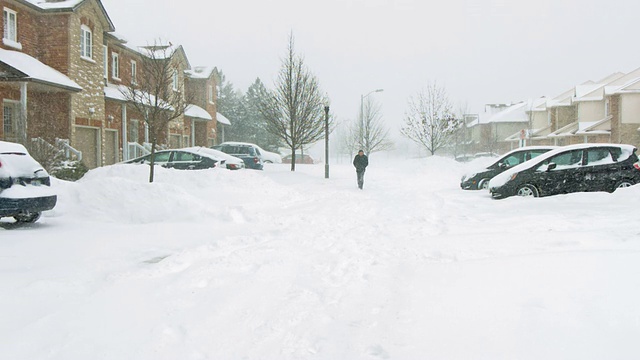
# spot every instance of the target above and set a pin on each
(551, 166)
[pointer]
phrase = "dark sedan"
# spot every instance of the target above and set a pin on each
(574, 168)
(183, 159)
(480, 179)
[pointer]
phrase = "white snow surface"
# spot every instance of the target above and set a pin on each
(219, 264)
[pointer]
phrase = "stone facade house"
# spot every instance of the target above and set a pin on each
(62, 70)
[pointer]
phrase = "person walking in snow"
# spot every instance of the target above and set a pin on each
(361, 161)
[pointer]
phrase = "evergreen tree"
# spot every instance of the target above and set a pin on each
(230, 105)
(255, 124)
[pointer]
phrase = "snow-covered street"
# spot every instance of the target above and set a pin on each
(219, 264)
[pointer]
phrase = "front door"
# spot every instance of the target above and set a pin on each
(11, 111)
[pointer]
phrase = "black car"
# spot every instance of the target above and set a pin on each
(574, 168)
(24, 185)
(248, 153)
(183, 159)
(480, 179)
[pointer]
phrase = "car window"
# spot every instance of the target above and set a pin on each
(162, 156)
(512, 160)
(566, 160)
(599, 156)
(535, 153)
(185, 156)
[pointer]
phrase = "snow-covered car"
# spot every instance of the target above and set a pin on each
(300, 159)
(267, 156)
(24, 185)
(573, 168)
(480, 179)
(184, 159)
(249, 153)
(232, 162)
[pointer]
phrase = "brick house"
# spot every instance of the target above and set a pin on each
(61, 70)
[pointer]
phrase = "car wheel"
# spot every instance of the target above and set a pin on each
(624, 184)
(527, 191)
(29, 217)
(268, 162)
(483, 184)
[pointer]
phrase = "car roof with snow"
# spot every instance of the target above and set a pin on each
(9, 147)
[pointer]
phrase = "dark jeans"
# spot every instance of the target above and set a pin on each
(360, 178)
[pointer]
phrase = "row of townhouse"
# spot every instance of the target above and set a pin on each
(62, 68)
(607, 110)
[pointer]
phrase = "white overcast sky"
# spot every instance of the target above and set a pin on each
(481, 51)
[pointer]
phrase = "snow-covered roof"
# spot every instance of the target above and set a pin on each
(67, 5)
(200, 72)
(117, 92)
(222, 120)
(47, 5)
(595, 127)
(33, 70)
(567, 130)
(197, 112)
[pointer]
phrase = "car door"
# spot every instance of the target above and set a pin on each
(600, 169)
(183, 160)
(561, 173)
(161, 158)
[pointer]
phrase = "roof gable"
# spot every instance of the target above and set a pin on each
(50, 6)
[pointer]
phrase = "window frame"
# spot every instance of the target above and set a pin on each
(105, 59)
(210, 95)
(174, 82)
(134, 72)
(9, 26)
(115, 65)
(86, 50)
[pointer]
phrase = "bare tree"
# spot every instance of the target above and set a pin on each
(157, 93)
(369, 134)
(429, 120)
(294, 111)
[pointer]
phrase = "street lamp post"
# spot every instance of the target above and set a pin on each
(326, 141)
(362, 125)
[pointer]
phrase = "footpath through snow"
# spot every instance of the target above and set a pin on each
(220, 264)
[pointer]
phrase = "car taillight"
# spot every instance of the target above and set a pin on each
(637, 165)
(256, 160)
(0, 163)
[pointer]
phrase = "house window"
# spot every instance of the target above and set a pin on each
(175, 80)
(115, 66)
(105, 59)
(10, 25)
(86, 42)
(134, 72)
(9, 120)
(210, 94)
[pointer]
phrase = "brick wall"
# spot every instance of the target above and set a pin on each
(48, 115)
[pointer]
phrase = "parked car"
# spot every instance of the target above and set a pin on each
(183, 159)
(480, 179)
(248, 152)
(232, 162)
(300, 159)
(24, 185)
(574, 168)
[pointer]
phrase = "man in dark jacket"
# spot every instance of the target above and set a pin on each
(360, 162)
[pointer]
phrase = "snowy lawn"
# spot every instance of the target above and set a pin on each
(219, 264)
